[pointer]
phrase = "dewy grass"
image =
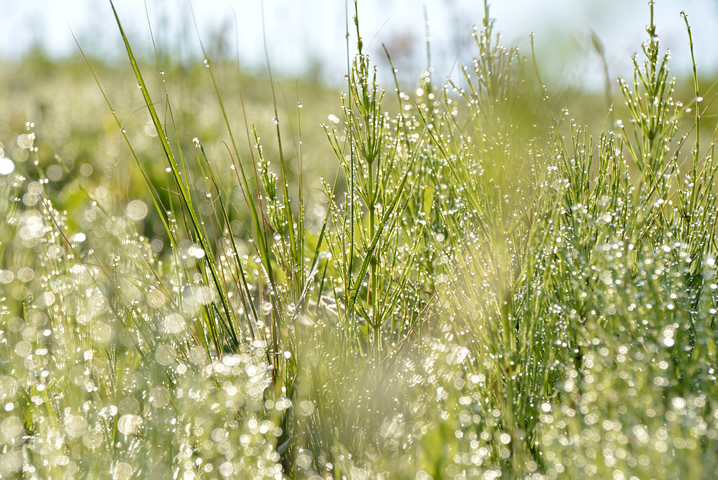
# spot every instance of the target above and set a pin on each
(491, 292)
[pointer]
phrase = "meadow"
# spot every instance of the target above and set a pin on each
(212, 273)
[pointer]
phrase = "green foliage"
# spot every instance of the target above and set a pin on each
(485, 289)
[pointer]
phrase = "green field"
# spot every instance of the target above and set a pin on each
(212, 273)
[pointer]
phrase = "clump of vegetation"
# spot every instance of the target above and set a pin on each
(484, 290)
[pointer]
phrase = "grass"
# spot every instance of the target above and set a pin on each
(481, 288)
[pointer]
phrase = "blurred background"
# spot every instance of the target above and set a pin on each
(307, 37)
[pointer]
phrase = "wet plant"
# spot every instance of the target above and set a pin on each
(485, 291)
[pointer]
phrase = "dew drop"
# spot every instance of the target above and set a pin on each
(6, 166)
(129, 424)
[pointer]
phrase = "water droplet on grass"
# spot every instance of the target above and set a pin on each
(137, 210)
(196, 251)
(174, 323)
(25, 140)
(6, 166)
(123, 471)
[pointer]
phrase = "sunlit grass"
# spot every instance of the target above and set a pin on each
(476, 286)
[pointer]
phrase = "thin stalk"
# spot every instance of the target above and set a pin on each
(209, 258)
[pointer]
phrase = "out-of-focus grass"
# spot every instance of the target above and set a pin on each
(72, 121)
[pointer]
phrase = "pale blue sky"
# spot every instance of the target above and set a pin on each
(301, 31)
